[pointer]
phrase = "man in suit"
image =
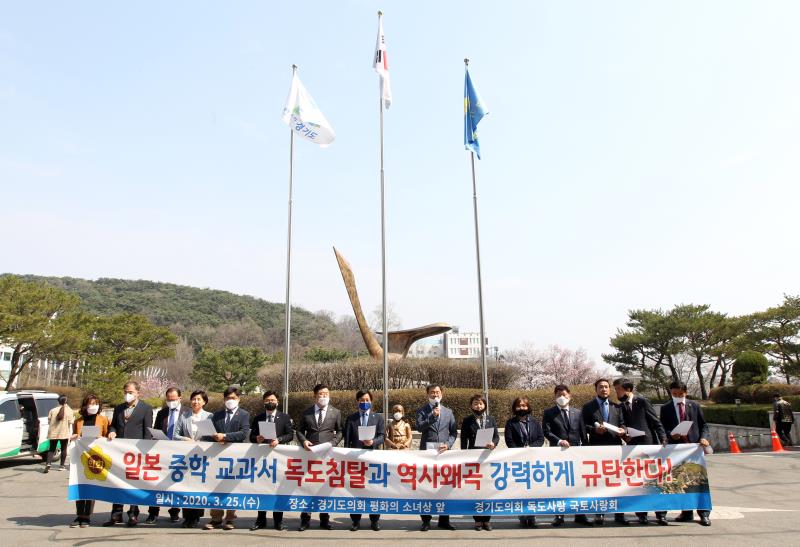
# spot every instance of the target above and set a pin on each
(130, 421)
(681, 410)
(364, 417)
(320, 423)
(563, 427)
(601, 411)
(233, 426)
(166, 420)
(285, 433)
(437, 427)
(639, 414)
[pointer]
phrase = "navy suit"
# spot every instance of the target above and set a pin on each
(556, 429)
(283, 428)
(236, 430)
(520, 434)
(592, 414)
(135, 427)
(436, 430)
(642, 416)
(351, 441)
(161, 422)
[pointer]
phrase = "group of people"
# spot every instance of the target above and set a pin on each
(562, 426)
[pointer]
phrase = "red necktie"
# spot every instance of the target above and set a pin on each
(681, 412)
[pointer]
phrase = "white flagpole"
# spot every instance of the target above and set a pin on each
(484, 369)
(288, 312)
(385, 337)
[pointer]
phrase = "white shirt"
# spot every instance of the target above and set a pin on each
(316, 413)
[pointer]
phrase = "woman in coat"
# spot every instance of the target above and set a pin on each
(186, 430)
(469, 431)
(89, 416)
(59, 421)
(523, 430)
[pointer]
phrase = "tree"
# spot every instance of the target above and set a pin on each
(702, 333)
(218, 369)
(555, 365)
(393, 321)
(38, 322)
(325, 355)
(776, 331)
(750, 368)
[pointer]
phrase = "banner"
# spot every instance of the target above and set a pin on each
(516, 481)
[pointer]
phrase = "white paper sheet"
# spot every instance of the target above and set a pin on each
(90, 431)
(205, 428)
(682, 428)
(484, 437)
(319, 448)
(157, 434)
(612, 428)
(267, 430)
(366, 432)
(633, 432)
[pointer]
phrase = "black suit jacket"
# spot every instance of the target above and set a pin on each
(643, 417)
(591, 413)
(329, 432)
(136, 426)
(555, 429)
(469, 429)
(351, 430)
(161, 420)
(283, 427)
(237, 430)
(669, 418)
(514, 437)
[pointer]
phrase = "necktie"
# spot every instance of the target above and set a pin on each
(171, 423)
(364, 420)
(628, 410)
(681, 412)
(319, 419)
(270, 418)
(523, 427)
(565, 415)
(228, 417)
(604, 407)
(482, 422)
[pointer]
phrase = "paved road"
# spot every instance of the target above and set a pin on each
(756, 500)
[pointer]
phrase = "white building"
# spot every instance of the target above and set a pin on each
(5, 364)
(465, 345)
(427, 347)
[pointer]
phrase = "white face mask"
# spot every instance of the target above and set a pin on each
(562, 401)
(322, 402)
(172, 405)
(129, 397)
(679, 400)
(397, 416)
(92, 409)
(434, 400)
(231, 404)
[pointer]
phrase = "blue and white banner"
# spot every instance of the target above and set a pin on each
(516, 481)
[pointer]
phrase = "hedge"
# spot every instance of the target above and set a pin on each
(745, 415)
(754, 394)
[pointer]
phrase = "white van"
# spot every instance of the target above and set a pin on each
(23, 422)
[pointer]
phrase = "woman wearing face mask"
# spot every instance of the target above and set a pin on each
(89, 416)
(399, 435)
(60, 420)
(469, 431)
(186, 430)
(522, 431)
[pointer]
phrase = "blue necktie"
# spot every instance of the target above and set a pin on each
(171, 423)
(605, 410)
(364, 420)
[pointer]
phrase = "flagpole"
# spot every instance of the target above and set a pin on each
(385, 340)
(288, 312)
(484, 369)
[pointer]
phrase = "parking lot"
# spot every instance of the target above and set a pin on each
(756, 500)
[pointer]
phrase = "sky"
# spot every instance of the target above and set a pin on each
(635, 155)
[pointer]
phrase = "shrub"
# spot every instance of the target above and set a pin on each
(745, 415)
(760, 394)
(750, 367)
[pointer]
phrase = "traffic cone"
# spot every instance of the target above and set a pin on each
(733, 444)
(776, 443)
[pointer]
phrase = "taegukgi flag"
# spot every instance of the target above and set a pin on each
(381, 64)
(304, 117)
(474, 111)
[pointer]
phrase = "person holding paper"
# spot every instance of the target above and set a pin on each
(678, 411)
(437, 427)
(479, 421)
(563, 427)
(130, 421)
(639, 414)
(522, 430)
(364, 429)
(320, 423)
(597, 414)
(284, 433)
(186, 430)
(60, 420)
(399, 435)
(166, 420)
(89, 416)
(233, 426)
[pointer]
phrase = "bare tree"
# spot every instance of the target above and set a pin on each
(552, 366)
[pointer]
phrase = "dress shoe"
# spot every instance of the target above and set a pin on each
(582, 520)
(704, 521)
(46, 469)
(662, 521)
(643, 520)
(75, 523)
(211, 525)
(228, 525)
(599, 520)
(84, 523)
(133, 521)
(112, 522)
(446, 526)
(621, 521)
(258, 525)
(174, 518)
(355, 526)
(376, 526)
(150, 520)
(684, 517)
(558, 521)
(478, 526)
(325, 525)
(303, 527)
(487, 526)
(280, 527)
(425, 527)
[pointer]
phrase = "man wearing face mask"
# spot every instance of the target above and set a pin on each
(682, 410)
(640, 414)
(233, 426)
(130, 421)
(166, 420)
(595, 413)
(365, 417)
(285, 433)
(563, 427)
(321, 423)
(438, 429)
(523, 431)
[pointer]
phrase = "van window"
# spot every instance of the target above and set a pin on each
(10, 409)
(43, 406)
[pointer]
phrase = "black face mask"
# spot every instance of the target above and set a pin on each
(270, 406)
(477, 412)
(521, 413)
(623, 398)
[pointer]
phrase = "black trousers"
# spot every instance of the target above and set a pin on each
(192, 515)
(84, 508)
(481, 518)
(357, 518)
(154, 510)
(443, 519)
(277, 517)
(784, 431)
(700, 513)
(117, 508)
(54, 446)
(323, 517)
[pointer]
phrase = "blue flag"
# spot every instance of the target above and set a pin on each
(474, 111)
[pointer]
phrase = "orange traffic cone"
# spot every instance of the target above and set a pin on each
(733, 444)
(776, 443)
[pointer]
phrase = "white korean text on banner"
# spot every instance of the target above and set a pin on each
(519, 481)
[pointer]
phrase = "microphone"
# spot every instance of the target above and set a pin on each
(436, 404)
